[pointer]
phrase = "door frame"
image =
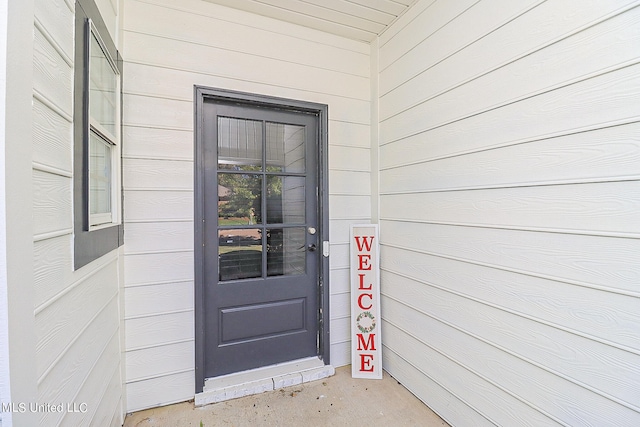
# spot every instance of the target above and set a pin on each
(202, 93)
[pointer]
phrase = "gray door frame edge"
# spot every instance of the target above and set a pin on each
(202, 93)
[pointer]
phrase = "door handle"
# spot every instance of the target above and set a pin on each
(312, 247)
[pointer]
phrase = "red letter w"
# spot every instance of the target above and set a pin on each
(365, 243)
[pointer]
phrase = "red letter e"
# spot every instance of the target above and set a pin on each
(365, 363)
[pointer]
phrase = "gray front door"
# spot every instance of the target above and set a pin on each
(260, 236)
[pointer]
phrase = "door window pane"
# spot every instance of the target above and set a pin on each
(286, 251)
(285, 200)
(239, 199)
(239, 143)
(285, 148)
(240, 254)
(99, 179)
(250, 163)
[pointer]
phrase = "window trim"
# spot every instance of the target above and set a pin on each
(92, 242)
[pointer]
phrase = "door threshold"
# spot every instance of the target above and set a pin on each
(260, 380)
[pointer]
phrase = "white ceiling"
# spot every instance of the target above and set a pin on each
(354, 19)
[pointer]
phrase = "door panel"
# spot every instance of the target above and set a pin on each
(261, 320)
(261, 268)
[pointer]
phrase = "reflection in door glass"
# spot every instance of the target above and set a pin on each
(240, 254)
(239, 199)
(240, 143)
(285, 200)
(286, 251)
(285, 148)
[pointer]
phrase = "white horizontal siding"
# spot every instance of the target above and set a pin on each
(491, 47)
(599, 46)
(161, 113)
(347, 206)
(177, 84)
(509, 186)
(593, 155)
(155, 143)
(109, 12)
(104, 415)
(53, 72)
(469, 20)
(429, 390)
(51, 203)
(104, 381)
(260, 22)
(339, 278)
(77, 313)
(169, 48)
(602, 101)
(52, 137)
(55, 17)
(64, 318)
(148, 205)
(98, 341)
(187, 56)
(159, 361)
(145, 237)
(595, 262)
(314, 16)
(174, 388)
(53, 267)
(151, 331)
(425, 21)
(219, 32)
(158, 299)
(158, 267)
(594, 208)
(552, 337)
(150, 174)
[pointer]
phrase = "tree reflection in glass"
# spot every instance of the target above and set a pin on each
(240, 199)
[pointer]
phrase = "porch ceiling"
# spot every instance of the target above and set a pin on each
(354, 19)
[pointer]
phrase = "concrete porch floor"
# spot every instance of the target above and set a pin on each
(335, 401)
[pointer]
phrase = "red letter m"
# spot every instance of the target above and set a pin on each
(370, 342)
(365, 243)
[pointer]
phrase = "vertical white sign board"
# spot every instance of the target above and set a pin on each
(366, 344)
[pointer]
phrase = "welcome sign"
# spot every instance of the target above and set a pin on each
(366, 346)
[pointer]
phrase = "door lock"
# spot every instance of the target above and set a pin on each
(312, 247)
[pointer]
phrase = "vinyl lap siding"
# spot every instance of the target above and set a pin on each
(170, 47)
(76, 313)
(509, 204)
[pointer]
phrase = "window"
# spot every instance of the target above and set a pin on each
(104, 106)
(97, 142)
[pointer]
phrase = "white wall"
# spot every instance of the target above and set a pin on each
(510, 209)
(77, 320)
(170, 47)
(5, 388)
(18, 338)
(109, 11)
